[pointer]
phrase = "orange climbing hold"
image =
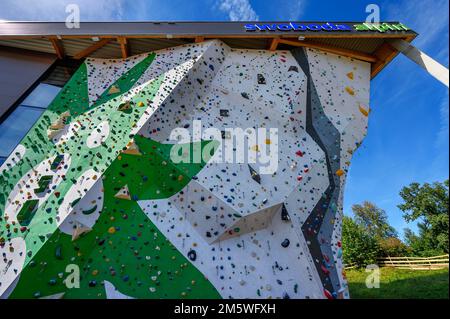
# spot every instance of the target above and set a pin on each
(349, 90)
(364, 111)
(339, 172)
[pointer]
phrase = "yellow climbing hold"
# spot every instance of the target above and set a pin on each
(255, 148)
(350, 75)
(364, 111)
(339, 172)
(132, 149)
(140, 104)
(268, 141)
(349, 90)
(112, 230)
(113, 89)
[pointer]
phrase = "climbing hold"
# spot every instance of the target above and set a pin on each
(55, 163)
(132, 149)
(125, 107)
(58, 252)
(261, 79)
(340, 172)
(78, 230)
(364, 111)
(349, 90)
(192, 255)
(123, 193)
(255, 176)
(328, 294)
(284, 214)
(113, 90)
(90, 210)
(285, 243)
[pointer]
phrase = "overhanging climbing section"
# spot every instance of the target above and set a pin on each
(94, 184)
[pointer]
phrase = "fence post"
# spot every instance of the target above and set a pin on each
(409, 262)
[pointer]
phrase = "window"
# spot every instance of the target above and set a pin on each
(17, 125)
(27, 111)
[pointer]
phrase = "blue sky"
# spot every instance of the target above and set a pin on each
(408, 132)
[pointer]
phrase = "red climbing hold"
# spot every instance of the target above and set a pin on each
(325, 270)
(328, 294)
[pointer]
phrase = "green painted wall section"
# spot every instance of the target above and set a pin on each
(124, 247)
(74, 97)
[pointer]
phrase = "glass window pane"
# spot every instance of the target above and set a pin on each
(15, 127)
(42, 95)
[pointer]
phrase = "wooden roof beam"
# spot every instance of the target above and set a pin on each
(58, 47)
(385, 53)
(331, 49)
(199, 39)
(273, 44)
(85, 52)
(124, 47)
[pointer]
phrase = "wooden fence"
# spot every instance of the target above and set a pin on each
(415, 263)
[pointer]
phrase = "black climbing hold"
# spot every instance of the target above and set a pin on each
(261, 79)
(255, 176)
(58, 159)
(58, 252)
(92, 283)
(224, 112)
(293, 68)
(192, 255)
(245, 95)
(285, 243)
(89, 211)
(284, 214)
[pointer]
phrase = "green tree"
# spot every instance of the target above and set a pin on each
(357, 245)
(374, 220)
(392, 246)
(428, 204)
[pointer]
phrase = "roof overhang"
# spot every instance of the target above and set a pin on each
(358, 40)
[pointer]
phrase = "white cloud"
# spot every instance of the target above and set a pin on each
(238, 10)
(295, 9)
(48, 10)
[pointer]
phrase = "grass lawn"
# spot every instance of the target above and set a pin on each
(400, 284)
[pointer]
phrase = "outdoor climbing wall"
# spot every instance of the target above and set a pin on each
(93, 185)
